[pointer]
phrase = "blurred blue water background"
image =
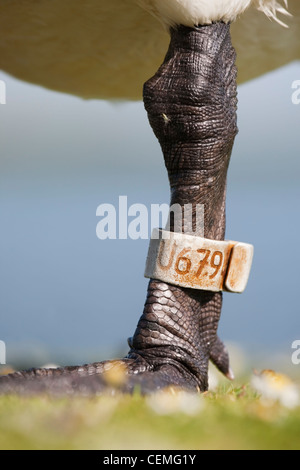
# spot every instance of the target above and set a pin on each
(68, 297)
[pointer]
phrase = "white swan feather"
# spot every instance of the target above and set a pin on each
(108, 48)
(194, 12)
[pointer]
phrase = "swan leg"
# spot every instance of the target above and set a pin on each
(191, 104)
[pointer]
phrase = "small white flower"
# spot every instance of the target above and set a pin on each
(276, 387)
(50, 366)
(213, 379)
(171, 401)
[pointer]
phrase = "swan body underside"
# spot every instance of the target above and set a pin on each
(108, 49)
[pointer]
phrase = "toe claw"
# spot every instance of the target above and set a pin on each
(230, 375)
(220, 358)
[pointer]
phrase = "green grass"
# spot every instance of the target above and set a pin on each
(230, 418)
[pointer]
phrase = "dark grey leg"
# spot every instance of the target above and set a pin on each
(191, 104)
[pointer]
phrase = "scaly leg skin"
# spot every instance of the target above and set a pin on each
(191, 104)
